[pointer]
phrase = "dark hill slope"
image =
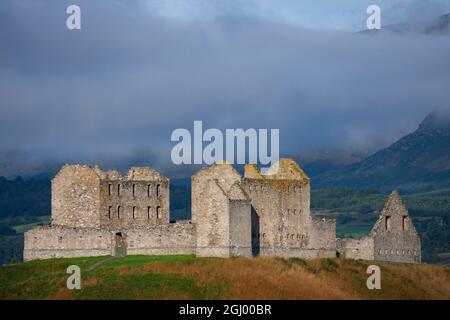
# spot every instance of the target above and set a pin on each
(417, 162)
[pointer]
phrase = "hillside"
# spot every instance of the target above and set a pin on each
(417, 162)
(188, 277)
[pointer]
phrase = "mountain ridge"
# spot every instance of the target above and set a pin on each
(417, 161)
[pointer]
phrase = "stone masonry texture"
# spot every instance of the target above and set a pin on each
(101, 213)
(393, 237)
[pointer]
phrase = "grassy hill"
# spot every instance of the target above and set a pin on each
(188, 277)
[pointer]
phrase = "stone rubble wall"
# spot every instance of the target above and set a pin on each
(361, 248)
(240, 240)
(323, 237)
(96, 213)
(76, 197)
(394, 235)
(64, 242)
(173, 238)
(224, 174)
(397, 247)
(138, 203)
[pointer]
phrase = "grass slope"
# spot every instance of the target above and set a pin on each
(188, 277)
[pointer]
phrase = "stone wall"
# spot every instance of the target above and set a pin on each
(213, 223)
(222, 213)
(240, 238)
(225, 175)
(139, 198)
(125, 204)
(96, 212)
(362, 248)
(398, 248)
(76, 197)
(323, 237)
(274, 213)
(65, 242)
(282, 209)
(173, 238)
(395, 237)
(91, 198)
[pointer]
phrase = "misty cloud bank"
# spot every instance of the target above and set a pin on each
(135, 73)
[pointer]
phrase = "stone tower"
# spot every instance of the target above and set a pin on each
(85, 197)
(221, 211)
(258, 214)
(98, 213)
(281, 220)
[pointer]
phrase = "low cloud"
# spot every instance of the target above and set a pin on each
(129, 78)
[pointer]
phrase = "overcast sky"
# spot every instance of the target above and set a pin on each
(137, 70)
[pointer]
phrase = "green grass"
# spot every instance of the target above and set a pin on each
(141, 286)
(190, 277)
(43, 279)
(135, 261)
(37, 279)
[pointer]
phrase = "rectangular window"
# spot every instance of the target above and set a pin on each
(118, 212)
(134, 212)
(118, 189)
(148, 190)
(109, 212)
(158, 190)
(110, 189)
(148, 212)
(158, 212)
(405, 223)
(134, 190)
(388, 223)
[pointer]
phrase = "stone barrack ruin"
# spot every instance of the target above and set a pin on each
(101, 213)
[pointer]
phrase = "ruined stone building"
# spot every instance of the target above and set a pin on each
(393, 237)
(97, 213)
(258, 214)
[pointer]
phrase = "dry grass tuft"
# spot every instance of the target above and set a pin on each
(275, 278)
(265, 278)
